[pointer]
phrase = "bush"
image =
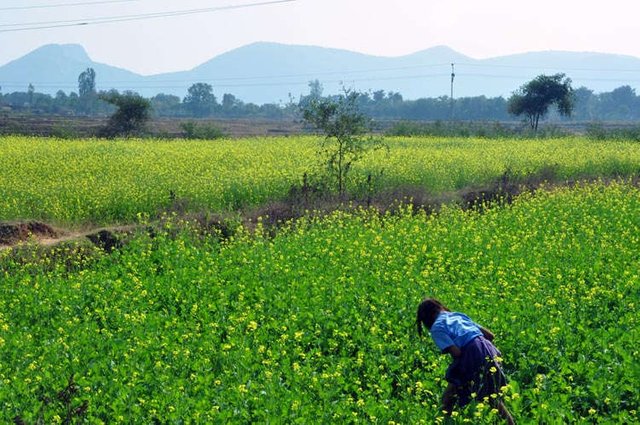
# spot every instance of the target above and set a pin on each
(192, 130)
(131, 117)
(64, 131)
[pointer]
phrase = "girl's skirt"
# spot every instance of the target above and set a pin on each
(477, 372)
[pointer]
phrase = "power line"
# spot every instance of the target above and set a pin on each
(486, 65)
(142, 85)
(45, 27)
(51, 6)
(28, 26)
(262, 84)
(257, 77)
(514, 77)
(142, 16)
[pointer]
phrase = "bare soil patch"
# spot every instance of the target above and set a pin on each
(15, 232)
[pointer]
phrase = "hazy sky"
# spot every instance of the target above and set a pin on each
(382, 27)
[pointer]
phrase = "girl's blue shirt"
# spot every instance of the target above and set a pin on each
(451, 328)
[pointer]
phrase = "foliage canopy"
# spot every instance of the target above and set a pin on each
(200, 99)
(87, 82)
(131, 116)
(535, 97)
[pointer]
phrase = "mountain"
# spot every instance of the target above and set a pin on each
(270, 72)
(56, 67)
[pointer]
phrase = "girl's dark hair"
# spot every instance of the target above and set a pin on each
(427, 312)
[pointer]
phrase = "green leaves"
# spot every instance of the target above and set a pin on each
(534, 98)
(75, 182)
(316, 324)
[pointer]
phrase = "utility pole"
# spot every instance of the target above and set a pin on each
(453, 76)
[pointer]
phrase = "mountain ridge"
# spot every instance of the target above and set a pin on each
(266, 72)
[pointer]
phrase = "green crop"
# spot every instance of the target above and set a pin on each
(316, 323)
(78, 182)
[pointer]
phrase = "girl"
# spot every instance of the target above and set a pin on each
(475, 370)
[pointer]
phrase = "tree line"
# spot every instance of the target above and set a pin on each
(621, 104)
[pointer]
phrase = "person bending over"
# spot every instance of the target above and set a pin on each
(475, 371)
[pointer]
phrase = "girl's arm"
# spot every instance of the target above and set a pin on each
(453, 350)
(487, 333)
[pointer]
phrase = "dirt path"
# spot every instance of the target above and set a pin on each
(15, 234)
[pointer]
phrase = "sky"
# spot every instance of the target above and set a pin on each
(479, 29)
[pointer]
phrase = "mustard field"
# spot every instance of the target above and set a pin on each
(71, 182)
(315, 322)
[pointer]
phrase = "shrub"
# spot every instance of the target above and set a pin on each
(131, 117)
(191, 130)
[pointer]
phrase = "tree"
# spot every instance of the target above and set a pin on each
(165, 104)
(200, 100)
(315, 94)
(534, 98)
(378, 96)
(395, 98)
(315, 89)
(30, 93)
(584, 103)
(229, 102)
(131, 116)
(344, 128)
(60, 102)
(87, 91)
(87, 82)
(619, 103)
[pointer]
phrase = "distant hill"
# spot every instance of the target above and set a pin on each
(270, 72)
(56, 67)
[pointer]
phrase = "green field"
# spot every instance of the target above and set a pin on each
(315, 323)
(104, 182)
